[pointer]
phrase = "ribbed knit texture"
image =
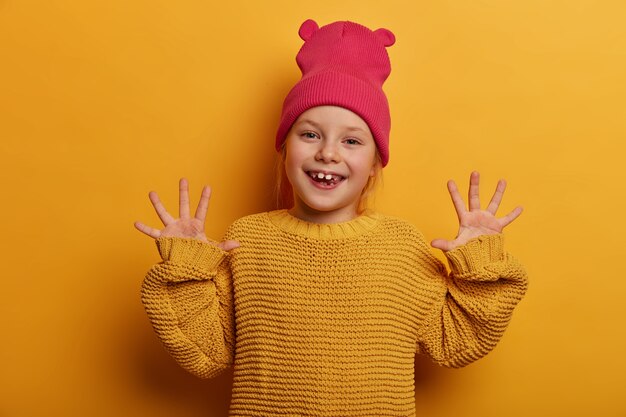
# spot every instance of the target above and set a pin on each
(325, 320)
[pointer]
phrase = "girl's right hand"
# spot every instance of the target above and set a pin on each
(184, 227)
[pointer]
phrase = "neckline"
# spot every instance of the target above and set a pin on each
(360, 225)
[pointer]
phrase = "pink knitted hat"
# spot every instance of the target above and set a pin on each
(343, 64)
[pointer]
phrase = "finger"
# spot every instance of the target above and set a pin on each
(457, 200)
(183, 198)
(442, 244)
(152, 232)
(228, 245)
(165, 217)
(203, 205)
(514, 214)
(497, 197)
(473, 198)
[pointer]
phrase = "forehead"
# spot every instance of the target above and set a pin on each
(333, 116)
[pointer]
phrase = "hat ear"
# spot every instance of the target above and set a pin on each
(385, 36)
(307, 29)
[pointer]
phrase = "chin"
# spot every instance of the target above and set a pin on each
(330, 208)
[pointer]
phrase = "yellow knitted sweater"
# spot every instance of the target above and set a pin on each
(325, 319)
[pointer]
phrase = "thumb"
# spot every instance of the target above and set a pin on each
(228, 245)
(442, 244)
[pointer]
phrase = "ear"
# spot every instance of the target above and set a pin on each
(283, 150)
(376, 166)
(307, 29)
(386, 36)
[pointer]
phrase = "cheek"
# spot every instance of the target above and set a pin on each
(292, 161)
(296, 152)
(289, 170)
(367, 163)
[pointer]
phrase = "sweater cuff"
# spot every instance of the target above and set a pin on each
(472, 257)
(190, 252)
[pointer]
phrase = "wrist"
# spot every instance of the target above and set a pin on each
(189, 251)
(476, 253)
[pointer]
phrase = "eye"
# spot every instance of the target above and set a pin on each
(352, 141)
(309, 135)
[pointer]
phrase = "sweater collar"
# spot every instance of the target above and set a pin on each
(323, 231)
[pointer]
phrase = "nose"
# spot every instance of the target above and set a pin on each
(328, 152)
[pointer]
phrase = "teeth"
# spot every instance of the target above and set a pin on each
(325, 177)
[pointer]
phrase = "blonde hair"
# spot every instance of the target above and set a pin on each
(284, 192)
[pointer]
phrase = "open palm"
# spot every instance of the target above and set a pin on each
(475, 222)
(185, 226)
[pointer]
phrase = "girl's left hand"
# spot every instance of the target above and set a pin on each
(476, 222)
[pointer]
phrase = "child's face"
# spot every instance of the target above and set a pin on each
(330, 155)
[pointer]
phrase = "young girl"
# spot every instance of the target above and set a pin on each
(322, 307)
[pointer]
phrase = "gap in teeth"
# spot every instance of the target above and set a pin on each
(325, 178)
(322, 176)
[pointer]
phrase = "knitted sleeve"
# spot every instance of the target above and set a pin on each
(188, 298)
(474, 302)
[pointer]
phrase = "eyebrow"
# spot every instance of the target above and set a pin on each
(317, 126)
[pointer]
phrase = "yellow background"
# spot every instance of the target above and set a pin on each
(103, 101)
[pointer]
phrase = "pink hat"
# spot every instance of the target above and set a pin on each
(343, 64)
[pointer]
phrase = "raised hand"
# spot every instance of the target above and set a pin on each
(185, 226)
(475, 222)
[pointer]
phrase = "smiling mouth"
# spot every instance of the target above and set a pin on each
(325, 179)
